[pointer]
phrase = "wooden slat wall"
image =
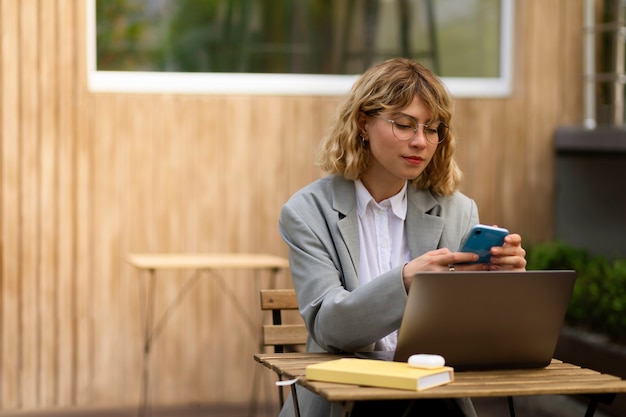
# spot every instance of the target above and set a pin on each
(88, 178)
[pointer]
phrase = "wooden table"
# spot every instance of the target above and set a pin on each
(199, 263)
(558, 378)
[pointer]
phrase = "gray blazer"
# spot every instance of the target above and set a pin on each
(319, 224)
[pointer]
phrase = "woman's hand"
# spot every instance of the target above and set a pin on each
(511, 256)
(440, 260)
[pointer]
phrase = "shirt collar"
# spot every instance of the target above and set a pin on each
(364, 198)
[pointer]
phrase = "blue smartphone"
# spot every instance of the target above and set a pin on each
(481, 239)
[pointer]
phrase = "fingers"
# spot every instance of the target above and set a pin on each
(508, 264)
(513, 240)
(456, 258)
(471, 267)
(511, 256)
(436, 261)
(512, 247)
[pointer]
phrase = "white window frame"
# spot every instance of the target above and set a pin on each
(280, 84)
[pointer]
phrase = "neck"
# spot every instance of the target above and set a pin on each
(380, 189)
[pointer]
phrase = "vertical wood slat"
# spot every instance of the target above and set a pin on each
(136, 171)
(87, 178)
(29, 203)
(515, 129)
(66, 171)
(85, 222)
(47, 78)
(543, 92)
(9, 96)
(105, 279)
(173, 146)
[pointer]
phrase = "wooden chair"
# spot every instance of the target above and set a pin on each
(283, 337)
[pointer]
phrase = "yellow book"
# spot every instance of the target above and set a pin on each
(378, 373)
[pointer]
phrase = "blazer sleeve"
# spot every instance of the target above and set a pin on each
(338, 317)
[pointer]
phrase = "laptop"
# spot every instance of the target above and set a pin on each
(485, 320)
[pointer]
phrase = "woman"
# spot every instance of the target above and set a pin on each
(389, 209)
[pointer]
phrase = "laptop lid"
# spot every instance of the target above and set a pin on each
(486, 320)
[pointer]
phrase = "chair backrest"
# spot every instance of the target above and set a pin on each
(278, 334)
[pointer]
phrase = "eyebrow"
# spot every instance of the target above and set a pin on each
(428, 122)
(401, 114)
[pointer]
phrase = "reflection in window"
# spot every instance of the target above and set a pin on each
(454, 38)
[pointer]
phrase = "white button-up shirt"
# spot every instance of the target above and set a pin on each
(382, 240)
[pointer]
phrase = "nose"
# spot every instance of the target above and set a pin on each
(419, 140)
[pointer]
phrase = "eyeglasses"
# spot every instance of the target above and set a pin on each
(405, 128)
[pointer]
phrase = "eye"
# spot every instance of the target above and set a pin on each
(405, 123)
(429, 130)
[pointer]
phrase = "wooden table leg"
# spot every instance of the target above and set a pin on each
(147, 344)
(511, 406)
(294, 397)
(594, 400)
(347, 408)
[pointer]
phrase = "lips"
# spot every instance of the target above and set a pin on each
(414, 160)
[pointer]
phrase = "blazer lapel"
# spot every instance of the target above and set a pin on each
(344, 202)
(424, 227)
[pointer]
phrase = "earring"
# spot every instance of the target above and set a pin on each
(363, 138)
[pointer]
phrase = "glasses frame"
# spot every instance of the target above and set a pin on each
(417, 126)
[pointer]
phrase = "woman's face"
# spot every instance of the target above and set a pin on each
(393, 161)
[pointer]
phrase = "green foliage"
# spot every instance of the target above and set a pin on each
(120, 28)
(599, 298)
(299, 37)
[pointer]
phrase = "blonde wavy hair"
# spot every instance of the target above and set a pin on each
(391, 86)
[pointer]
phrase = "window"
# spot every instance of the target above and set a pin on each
(293, 46)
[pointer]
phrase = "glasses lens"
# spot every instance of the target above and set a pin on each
(432, 134)
(437, 134)
(442, 132)
(404, 128)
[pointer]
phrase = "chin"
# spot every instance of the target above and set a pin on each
(414, 176)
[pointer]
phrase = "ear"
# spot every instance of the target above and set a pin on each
(362, 123)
